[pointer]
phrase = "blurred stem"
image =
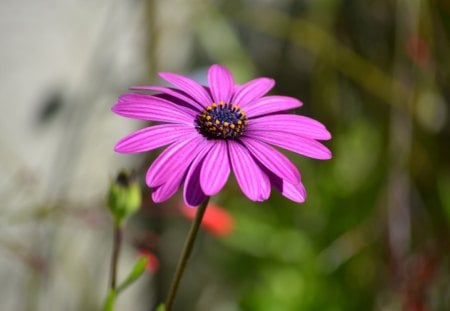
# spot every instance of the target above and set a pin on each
(187, 249)
(115, 254)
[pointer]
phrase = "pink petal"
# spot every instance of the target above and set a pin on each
(189, 86)
(252, 90)
(294, 192)
(253, 181)
(174, 160)
(172, 92)
(166, 190)
(174, 180)
(192, 192)
(271, 104)
(273, 160)
(289, 141)
(215, 168)
(153, 137)
(295, 124)
(150, 108)
(221, 83)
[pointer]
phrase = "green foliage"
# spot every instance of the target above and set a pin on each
(134, 275)
(161, 307)
(110, 301)
(136, 272)
(374, 231)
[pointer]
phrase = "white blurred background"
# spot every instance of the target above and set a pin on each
(63, 64)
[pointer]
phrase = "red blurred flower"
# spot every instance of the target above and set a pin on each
(152, 260)
(216, 220)
(418, 50)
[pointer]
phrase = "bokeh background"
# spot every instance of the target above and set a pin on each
(374, 232)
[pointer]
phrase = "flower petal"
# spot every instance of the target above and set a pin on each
(295, 192)
(253, 181)
(171, 185)
(215, 169)
(192, 192)
(166, 190)
(221, 83)
(150, 108)
(295, 124)
(153, 137)
(189, 86)
(304, 146)
(271, 104)
(174, 160)
(172, 92)
(252, 90)
(273, 160)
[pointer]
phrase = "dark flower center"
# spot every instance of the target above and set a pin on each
(221, 121)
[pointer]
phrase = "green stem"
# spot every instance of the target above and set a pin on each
(187, 249)
(115, 255)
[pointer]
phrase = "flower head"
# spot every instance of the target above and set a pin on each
(214, 130)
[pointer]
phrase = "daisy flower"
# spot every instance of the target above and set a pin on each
(212, 130)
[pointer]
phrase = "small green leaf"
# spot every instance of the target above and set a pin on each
(110, 301)
(138, 270)
(124, 197)
(161, 307)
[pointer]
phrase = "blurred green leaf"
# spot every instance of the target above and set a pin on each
(138, 270)
(110, 301)
(161, 307)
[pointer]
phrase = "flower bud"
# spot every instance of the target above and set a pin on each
(124, 197)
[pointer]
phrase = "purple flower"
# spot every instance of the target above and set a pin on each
(214, 130)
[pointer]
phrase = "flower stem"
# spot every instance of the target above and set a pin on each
(115, 255)
(187, 249)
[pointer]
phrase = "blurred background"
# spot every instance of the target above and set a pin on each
(374, 231)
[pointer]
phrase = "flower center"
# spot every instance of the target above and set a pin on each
(221, 121)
